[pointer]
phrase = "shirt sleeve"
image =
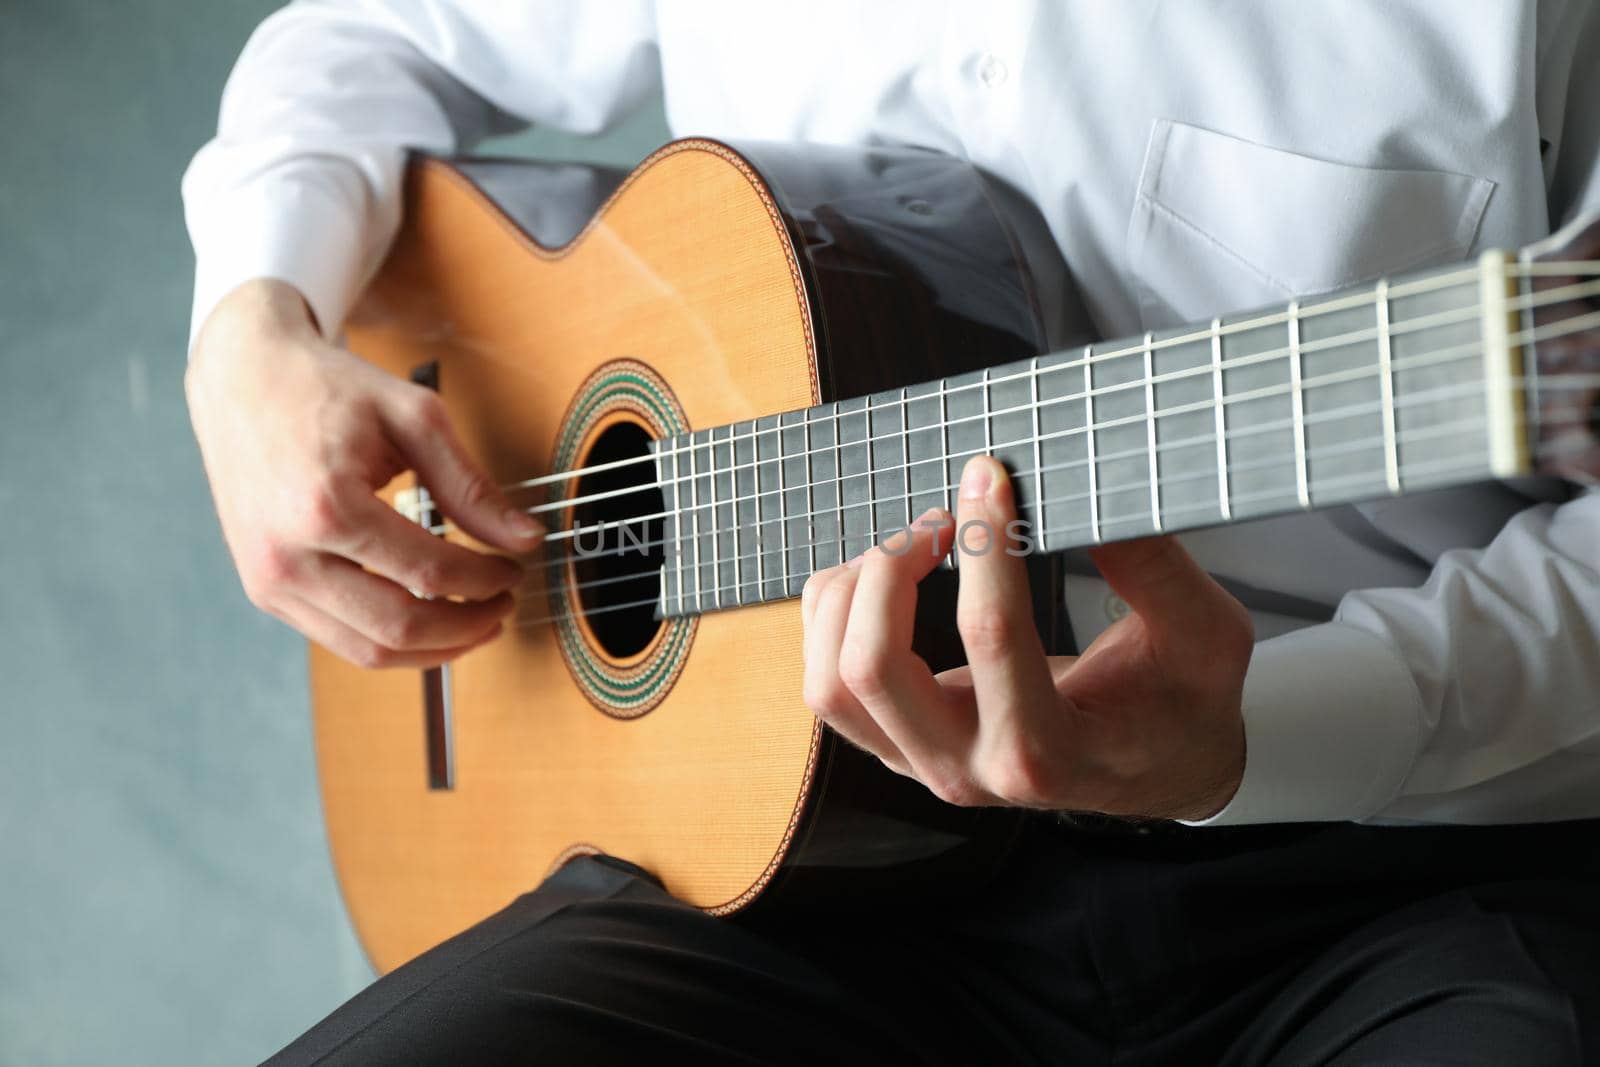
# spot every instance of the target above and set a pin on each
(1474, 699)
(302, 181)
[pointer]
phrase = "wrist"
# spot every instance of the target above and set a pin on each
(1225, 784)
(254, 330)
(262, 309)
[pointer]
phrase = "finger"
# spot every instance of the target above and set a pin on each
(392, 617)
(390, 545)
(1161, 582)
(994, 609)
(877, 663)
(345, 642)
(825, 692)
(415, 420)
(811, 591)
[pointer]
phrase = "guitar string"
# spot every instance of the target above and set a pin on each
(865, 413)
(1466, 350)
(1434, 468)
(1562, 269)
(1544, 333)
(1546, 297)
(1315, 418)
(1411, 437)
(1468, 276)
(533, 588)
(1417, 361)
(640, 544)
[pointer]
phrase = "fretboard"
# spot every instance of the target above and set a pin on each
(1388, 388)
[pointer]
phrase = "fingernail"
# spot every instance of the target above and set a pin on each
(976, 478)
(523, 525)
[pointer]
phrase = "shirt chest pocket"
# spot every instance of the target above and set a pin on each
(1221, 224)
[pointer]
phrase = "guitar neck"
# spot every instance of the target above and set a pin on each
(1389, 388)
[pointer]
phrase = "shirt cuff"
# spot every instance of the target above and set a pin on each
(300, 227)
(1333, 722)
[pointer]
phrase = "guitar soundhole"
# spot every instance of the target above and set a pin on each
(618, 568)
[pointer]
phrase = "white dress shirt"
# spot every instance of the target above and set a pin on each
(1422, 659)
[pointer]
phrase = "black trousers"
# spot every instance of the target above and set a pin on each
(1336, 944)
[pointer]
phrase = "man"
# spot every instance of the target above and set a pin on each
(1189, 159)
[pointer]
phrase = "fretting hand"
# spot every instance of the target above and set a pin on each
(1146, 722)
(297, 436)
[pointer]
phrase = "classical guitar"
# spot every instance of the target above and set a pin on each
(752, 363)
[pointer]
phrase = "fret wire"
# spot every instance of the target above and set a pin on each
(716, 541)
(783, 511)
(738, 521)
(761, 548)
(716, 554)
(1391, 455)
(694, 519)
(677, 531)
(811, 498)
(988, 430)
(1038, 460)
(951, 560)
(1088, 424)
(1302, 477)
(872, 473)
(1222, 424)
(1150, 433)
(905, 452)
(711, 549)
(944, 445)
(838, 478)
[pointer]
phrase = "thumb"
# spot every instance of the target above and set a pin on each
(420, 427)
(1160, 581)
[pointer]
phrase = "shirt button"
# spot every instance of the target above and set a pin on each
(1116, 608)
(992, 71)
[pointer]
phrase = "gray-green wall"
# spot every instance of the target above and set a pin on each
(165, 890)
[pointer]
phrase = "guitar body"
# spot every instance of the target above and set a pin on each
(713, 286)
